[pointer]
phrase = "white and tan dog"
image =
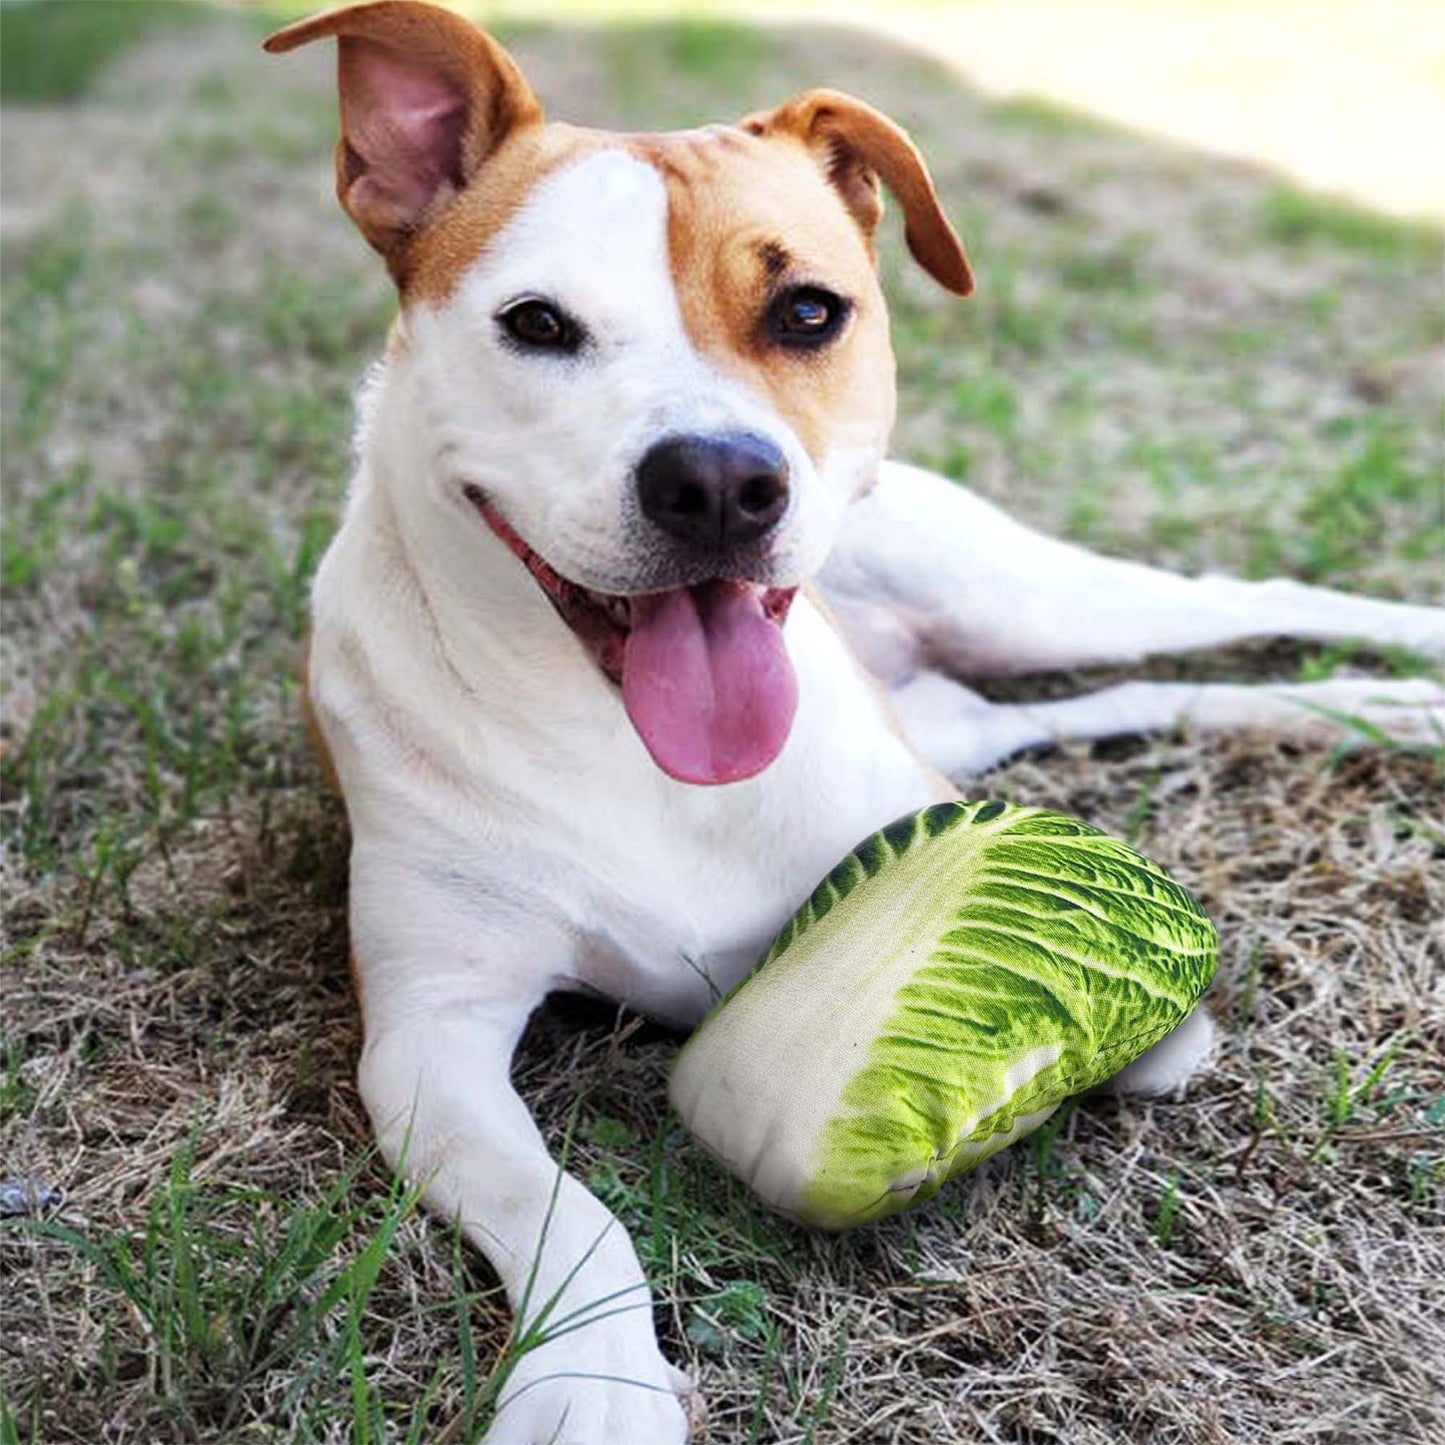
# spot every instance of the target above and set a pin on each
(590, 733)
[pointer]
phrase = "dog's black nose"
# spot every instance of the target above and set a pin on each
(714, 491)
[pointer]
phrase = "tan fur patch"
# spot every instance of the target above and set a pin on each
(438, 257)
(745, 218)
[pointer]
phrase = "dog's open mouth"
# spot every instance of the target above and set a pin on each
(705, 677)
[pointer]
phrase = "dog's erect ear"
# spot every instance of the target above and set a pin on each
(426, 97)
(856, 147)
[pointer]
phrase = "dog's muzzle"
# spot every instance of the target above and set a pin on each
(705, 677)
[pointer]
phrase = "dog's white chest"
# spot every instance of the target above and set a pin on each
(675, 891)
(650, 890)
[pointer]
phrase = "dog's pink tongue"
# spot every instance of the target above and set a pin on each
(707, 682)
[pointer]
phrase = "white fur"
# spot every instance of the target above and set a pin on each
(511, 834)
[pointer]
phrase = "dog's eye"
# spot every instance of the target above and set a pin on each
(541, 326)
(806, 316)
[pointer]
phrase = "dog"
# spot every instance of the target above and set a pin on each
(631, 630)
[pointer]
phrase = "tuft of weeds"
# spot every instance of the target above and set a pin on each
(685, 64)
(236, 1290)
(45, 321)
(1331, 658)
(1349, 513)
(722, 53)
(1293, 217)
(1167, 1212)
(230, 1288)
(1045, 118)
(1112, 268)
(737, 1312)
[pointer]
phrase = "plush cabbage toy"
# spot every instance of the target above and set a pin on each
(946, 987)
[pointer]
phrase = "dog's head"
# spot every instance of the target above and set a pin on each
(657, 366)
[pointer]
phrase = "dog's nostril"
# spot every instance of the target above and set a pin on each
(714, 491)
(690, 501)
(758, 494)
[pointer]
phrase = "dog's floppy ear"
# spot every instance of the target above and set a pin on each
(856, 147)
(426, 97)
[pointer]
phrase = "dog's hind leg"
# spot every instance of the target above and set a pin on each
(926, 574)
(1166, 1069)
(961, 733)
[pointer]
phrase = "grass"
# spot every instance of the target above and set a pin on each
(53, 50)
(1296, 218)
(1190, 365)
(232, 1287)
(228, 1290)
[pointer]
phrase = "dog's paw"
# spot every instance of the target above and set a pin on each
(1302, 609)
(600, 1396)
(1402, 710)
(1166, 1069)
(1419, 629)
(694, 1406)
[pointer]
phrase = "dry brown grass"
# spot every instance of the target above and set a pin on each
(1262, 1262)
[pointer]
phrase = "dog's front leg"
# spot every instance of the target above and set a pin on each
(435, 1078)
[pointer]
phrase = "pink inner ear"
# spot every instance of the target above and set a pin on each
(404, 125)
